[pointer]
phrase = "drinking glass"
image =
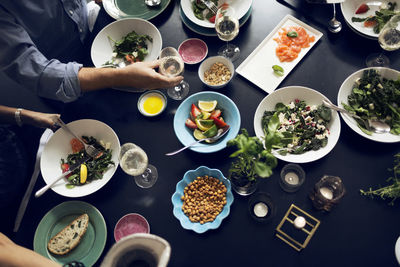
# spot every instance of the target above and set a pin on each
(227, 28)
(389, 40)
(134, 161)
(172, 65)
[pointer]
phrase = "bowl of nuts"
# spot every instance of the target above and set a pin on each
(202, 199)
(216, 72)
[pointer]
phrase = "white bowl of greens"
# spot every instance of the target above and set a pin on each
(309, 134)
(138, 35)
(372, 92)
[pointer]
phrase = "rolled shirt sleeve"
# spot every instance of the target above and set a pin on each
(21, 61)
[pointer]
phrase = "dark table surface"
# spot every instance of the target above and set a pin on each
(357, 232)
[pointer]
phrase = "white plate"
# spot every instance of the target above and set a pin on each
(285, 95)
(397, 250)
(349, 10)
(102, 47)
(257, 67)
(59, 147)
(241, 7)
(344, 92)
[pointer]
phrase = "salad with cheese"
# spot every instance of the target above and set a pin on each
(301, 127)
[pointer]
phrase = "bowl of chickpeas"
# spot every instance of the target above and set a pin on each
(202, 199)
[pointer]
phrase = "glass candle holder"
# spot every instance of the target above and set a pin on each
(327, 192)
(261, 207)
(292, 177)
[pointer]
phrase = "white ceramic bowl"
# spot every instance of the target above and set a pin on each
(59, 147)
(206, 64)
(146, 95)
(311, 97)
(102, 47)
(345, 91)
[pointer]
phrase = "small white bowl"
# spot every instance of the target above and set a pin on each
(145, 96)
(206, 64)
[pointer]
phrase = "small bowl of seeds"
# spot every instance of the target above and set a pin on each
(216, 72)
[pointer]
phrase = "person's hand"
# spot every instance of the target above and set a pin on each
(143, 75)
(39, 119)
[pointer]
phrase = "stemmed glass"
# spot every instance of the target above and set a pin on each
(172, 65)
(134, 161)
(227, 28)
(389, 40)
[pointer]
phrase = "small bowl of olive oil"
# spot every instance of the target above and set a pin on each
(152, 103)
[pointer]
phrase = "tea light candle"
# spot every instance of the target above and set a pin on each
(292, 178)
(326, 192)
(299, 222)
(260, 209)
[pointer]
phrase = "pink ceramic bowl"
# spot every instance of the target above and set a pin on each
(129, 224)
(193, 50)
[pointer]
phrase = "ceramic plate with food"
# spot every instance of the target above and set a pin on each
(355, 13)
(90, 246)
(383, 99)
(241, 7)
(59, 147)
(316, 134)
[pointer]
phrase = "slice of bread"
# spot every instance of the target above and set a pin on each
(69, 237)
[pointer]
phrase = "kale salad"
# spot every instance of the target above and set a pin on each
(375, 97)
(301, 127)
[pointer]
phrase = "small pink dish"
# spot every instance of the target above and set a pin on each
(129, 224)
(193, 50)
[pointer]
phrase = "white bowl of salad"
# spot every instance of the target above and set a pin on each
(310, 130)
(127, 40)
(62, 150)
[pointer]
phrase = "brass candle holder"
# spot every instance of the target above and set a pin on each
(297, 228)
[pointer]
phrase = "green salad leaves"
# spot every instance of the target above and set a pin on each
(375, 97)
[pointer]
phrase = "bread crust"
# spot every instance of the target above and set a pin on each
(69, 237)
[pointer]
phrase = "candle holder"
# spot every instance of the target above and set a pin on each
(297, 228)
(292, 177)
(327, 192)
(261, 207)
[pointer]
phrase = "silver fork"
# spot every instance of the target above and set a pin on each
(90, 150)
(210, 5)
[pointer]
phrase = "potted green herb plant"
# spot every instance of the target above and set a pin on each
(251, 162)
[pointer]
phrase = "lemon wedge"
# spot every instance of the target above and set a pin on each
(204, 125)
(207, 106)
(83, 174)
(206, 115)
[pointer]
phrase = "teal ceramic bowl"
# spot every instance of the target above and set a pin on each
(189, 177)
(230, 113)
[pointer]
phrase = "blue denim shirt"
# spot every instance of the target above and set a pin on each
(38, 40)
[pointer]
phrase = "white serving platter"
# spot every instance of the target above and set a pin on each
(257, 67)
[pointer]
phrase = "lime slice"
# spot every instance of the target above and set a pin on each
(204, 125)
(211, 132)
(207, 106)
(198, 134)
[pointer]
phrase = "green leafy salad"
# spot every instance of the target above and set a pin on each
(201, 12)
(92, 169)
(298, 127)
(375, 97)
(383, 15)
(131, 48)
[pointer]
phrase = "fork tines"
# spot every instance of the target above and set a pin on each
(210, 5)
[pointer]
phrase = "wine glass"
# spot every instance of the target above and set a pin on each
(389, 40)
(133, 160)
(172, 65)
(227, 28)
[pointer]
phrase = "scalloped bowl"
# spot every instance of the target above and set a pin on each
(189, 177)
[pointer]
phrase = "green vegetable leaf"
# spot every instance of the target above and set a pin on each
(292, 34)
(278, 70)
